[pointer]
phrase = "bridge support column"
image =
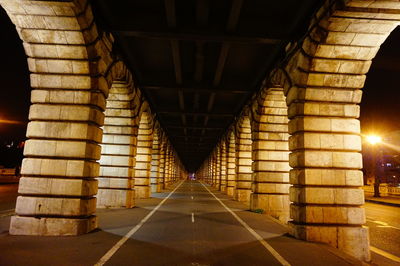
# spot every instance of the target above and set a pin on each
(116, 184)
(168, 166)
(217, 164)
(271, 155)
(231, 166)
(161, 167)
(243, 167)
(223, 166)
(155, 165)
(58, 184)
(143, 157)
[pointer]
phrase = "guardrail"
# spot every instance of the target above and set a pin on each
(384, 190)
(7, 171)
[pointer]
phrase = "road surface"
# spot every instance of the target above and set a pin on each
(191, 227)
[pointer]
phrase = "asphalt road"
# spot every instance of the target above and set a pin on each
(191, 227)
(384, 227)
(8, 196)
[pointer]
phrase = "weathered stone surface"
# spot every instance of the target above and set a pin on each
(45, 226)
(57, 186)
(29, 206)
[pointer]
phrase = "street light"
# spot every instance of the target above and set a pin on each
(375, 140)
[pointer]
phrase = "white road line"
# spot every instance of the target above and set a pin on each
(384, 253)
(383, 224)
(192, 217)
(274, 253)
(125, 238)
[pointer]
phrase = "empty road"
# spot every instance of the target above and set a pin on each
(192, 225)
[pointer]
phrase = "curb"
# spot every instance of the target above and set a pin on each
(383, 203)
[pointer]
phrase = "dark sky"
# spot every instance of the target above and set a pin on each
(380, 108)
(14, 80)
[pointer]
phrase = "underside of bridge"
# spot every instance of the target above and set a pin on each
(260, 99)
(199, 62)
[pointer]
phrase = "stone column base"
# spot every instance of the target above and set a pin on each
(276, 205)
(243, 195)
(353, 240)
(142, 192)
(44, 226)
(115, 198)
(230, 191)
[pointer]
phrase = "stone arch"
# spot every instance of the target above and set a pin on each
(270, 154)
(155, 177)
(217, 156)
(231, 164)
(243, 158)
(327, 73)
(116, 183)
(223, 164)
(162, 160)
(68, 97)
(144, 153)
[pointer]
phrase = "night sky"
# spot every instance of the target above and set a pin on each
(380, 108)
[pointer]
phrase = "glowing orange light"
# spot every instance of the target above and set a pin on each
(4, 121)
(373, 139)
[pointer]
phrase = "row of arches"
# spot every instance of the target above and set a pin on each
(294, 151)
(93, 141)
(297, 143)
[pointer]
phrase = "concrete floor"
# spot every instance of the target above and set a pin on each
(190, 228)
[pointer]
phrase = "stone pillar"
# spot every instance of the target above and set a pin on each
(116, 184)
(167, 179)
(231, 166)
(58, 182)
(143, 157)
(213, 175)
(328, 74)
(223, 165)
(243, 155)
(155, 165)
(161, 168)
(271, 155)
(209, 171)
(217, 183)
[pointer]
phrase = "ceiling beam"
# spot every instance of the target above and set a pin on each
(198, 89)
(230, 27)
(194, 127)
(202, 13)
(195, 113)
(198, 36)
(176, 56)
(195, 137)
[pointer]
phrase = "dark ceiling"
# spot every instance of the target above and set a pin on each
(199, 61)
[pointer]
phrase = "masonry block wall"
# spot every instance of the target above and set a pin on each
(223, 165)
(143, 156)
(118, 148)
(327, 75)
(231, 165)
(68, 99)
(243, 160)
(271, 154)
(155, 164)
(161, 168)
